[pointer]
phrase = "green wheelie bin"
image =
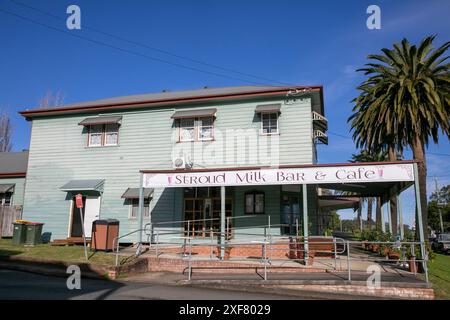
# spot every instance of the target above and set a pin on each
(19, 233)
(33, 234)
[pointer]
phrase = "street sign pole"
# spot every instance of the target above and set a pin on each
(79, 204)
(438, 199)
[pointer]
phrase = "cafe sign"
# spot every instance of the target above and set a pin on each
(281, 176)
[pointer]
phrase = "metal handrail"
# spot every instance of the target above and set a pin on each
(266, 239)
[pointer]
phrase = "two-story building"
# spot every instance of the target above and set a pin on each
(98, 148)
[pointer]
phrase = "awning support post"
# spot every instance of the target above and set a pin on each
(419, 220)
(305, 222)
(383, 223)
(400, 216)
(388, 210)
(222, 222)
(140, 209)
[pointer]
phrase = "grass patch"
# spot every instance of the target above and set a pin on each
(62, 253)
(439, 275)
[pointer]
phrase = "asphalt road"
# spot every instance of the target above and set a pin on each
(22, 285)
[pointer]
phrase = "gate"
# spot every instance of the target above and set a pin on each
(8, 214)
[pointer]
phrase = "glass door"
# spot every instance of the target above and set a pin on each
(290, 214)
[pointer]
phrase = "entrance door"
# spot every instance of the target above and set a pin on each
(91, 214)
(290, 214)
(198, 213)
(90, 211)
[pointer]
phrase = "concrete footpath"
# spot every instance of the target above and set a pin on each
(323, 285)
(329, 285)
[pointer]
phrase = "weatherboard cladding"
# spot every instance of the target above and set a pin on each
(58, 153)
(19, 188)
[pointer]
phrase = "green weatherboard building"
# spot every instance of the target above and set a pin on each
(99, 149)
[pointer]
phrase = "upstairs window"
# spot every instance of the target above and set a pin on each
(101, 135)
(187, 129)
(205, 128)
(269, 123)
(196, 129)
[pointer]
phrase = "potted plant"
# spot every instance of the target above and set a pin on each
(384, 250)
(394, 254)
(412, 263)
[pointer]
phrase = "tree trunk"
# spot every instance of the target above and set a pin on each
(378, 214)
(419, 154)
(369, 212)
(393, 198)
(359, 217)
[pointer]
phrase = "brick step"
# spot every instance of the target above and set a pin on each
(180, 266)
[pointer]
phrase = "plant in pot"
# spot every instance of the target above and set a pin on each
(384, 250)
(412, 263)
(371, 238)
(364, 238)
(394, 254)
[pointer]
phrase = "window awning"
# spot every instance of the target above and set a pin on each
(194, 113)
(133, 193)
(83, 185)
(101, 120)
(6, 187)
(268, 108)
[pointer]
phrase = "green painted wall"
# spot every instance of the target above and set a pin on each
(19, 189)
(58, 153)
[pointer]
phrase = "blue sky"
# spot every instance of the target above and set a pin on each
(296, 42)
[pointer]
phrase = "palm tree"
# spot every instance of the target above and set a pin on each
(368, 156)
(404, 102)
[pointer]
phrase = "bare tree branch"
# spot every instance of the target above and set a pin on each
(5, 132)
(50, 100)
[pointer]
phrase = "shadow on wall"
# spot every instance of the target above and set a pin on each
(168, 207)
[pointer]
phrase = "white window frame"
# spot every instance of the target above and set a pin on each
(102, 135)
(197, 126)
(90, 134)
(146, 212)
(270, 120)
(182, 128)
(105, 127)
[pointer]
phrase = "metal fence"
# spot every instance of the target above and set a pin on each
(301, 247)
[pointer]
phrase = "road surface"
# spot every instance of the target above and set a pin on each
(23, 285)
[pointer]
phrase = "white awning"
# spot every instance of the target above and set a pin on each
(353, 175)
(83, 185)
(133, 193)
(100, 120)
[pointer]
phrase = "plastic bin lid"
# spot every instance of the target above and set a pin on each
(107, 221)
